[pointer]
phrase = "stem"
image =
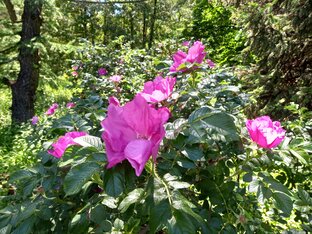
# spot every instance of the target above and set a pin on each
(163, 182)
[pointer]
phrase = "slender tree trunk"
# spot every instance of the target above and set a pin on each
(144, 28)
(150, 42)
(10, 8)
(131, 25)
(24, 90)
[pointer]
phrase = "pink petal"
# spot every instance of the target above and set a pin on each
(137, 153)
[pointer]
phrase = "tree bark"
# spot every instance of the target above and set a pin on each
(10, 8)
(144, 27)
(150, 42)
(24, 90)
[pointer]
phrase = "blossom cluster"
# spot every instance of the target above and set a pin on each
(134, 131)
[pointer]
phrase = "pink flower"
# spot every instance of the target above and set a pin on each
(64, 142)
(70, 105)
(133, 132)
(115, 78)
(52, 109)
(159, 89)
(195, 54)
(74, 73)
(186, 43)
(102, 71)
(210, 63)
(75, 68)
(264, 132)
(114, 101)
(34, 120)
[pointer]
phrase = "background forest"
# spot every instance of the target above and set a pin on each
(62, 60)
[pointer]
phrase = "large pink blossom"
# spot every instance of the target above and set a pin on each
(264, 132)
(133, 132)
(52, 109)
(158, 90)
(64, 142)
(195, 54)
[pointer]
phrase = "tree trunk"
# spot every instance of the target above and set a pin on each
(24, 90)
(144, 28)
(10, 8)
(150, 42)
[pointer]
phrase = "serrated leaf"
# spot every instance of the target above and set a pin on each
(133, 197)
(114, 182)
(193, 153)
(207, 121)
(90, 141)
(78, 176)
(180, 223)
(159, 215)
(20, 175)
(283, 202)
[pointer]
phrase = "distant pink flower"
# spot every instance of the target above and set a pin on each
(133, 132)
(34, 120)
(74, 73)
(52, 109)
(264, 132)
(75, 68)
(64, 142)
(102, 71)
(115, 78)
(210, 63)
(70, 105)
(159, 89)
(186, 43)
(195, 54)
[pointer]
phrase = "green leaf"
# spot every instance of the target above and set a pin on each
(109, 202)
(119, 224)
(79, 223)
(299, 156)
(159, 215)
(20, 175)
(133, 197)
(178, 184)
(114, 182)
(283, 202)
(207, 122)
(78, 176)
(253, 186)
(98, 214)
(180, 223)
(274, 184)
(305, 197)
(247, 177)
(26, 226)
(193, 153)
(90, 141)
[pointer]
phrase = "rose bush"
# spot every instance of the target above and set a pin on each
(178, 160)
